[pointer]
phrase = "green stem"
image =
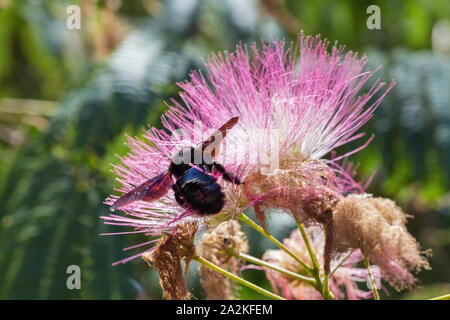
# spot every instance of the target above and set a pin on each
(316, 268)
(237, 278)
(444, 297)
(255, 226)
(321, 286)
(308, 247)
(263, 263)
(372, 281)
(326, 290)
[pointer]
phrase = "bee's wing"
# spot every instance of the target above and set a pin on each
(150, 190)
(211, 146)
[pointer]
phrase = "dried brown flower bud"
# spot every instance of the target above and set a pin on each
(216, 246)
(167, 256)
(377, 227)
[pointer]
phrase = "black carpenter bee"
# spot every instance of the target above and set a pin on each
(195, 187)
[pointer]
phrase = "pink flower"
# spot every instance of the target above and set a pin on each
(295, 103)
(343, 283)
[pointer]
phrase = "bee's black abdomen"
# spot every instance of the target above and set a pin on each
(204, 199)
(195, 187)
(201, 191)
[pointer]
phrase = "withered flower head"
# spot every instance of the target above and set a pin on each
(166, 257)
(377, 227)
(216, 246)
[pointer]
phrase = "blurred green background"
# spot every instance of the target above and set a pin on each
(67, 97)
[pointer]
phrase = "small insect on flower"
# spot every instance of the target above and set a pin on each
(195, 186)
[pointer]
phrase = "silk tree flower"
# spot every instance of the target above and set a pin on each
(343, 283)
(295, 104)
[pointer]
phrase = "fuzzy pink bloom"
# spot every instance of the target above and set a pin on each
(293, 102)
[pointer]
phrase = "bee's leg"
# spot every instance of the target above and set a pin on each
(226, 175)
